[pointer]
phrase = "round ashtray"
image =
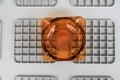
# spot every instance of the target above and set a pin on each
(63, 38)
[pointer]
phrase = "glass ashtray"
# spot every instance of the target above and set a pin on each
(63, 38)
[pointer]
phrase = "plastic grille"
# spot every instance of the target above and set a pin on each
(27, 46)
(100, 42)
(92, 78)
(35, 78)
(92, 3)
(36, 3)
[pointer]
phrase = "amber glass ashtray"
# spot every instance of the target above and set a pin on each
(63, 38)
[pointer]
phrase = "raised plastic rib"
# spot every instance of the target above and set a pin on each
(36, 3)
(100, 42)
(92, 3)
(30, 77)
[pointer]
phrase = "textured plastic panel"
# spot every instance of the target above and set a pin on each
(30, 77)
(28, 41)
(101, 58)
(36, 3)
(92, 3)
(100, 43)
(92, 78)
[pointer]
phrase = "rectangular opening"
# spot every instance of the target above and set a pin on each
(92, 3)
(36, 3)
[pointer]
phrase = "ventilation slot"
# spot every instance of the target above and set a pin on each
(92, 78)
(35, 78)
(92, 3)
(36, 3)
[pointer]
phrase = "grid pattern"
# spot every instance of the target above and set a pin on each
(36, 3)
(92, 3)
(27, 45)
(35, 78)
(92, 78)
(100, 42)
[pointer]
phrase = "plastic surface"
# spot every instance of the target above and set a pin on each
(10, 13)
